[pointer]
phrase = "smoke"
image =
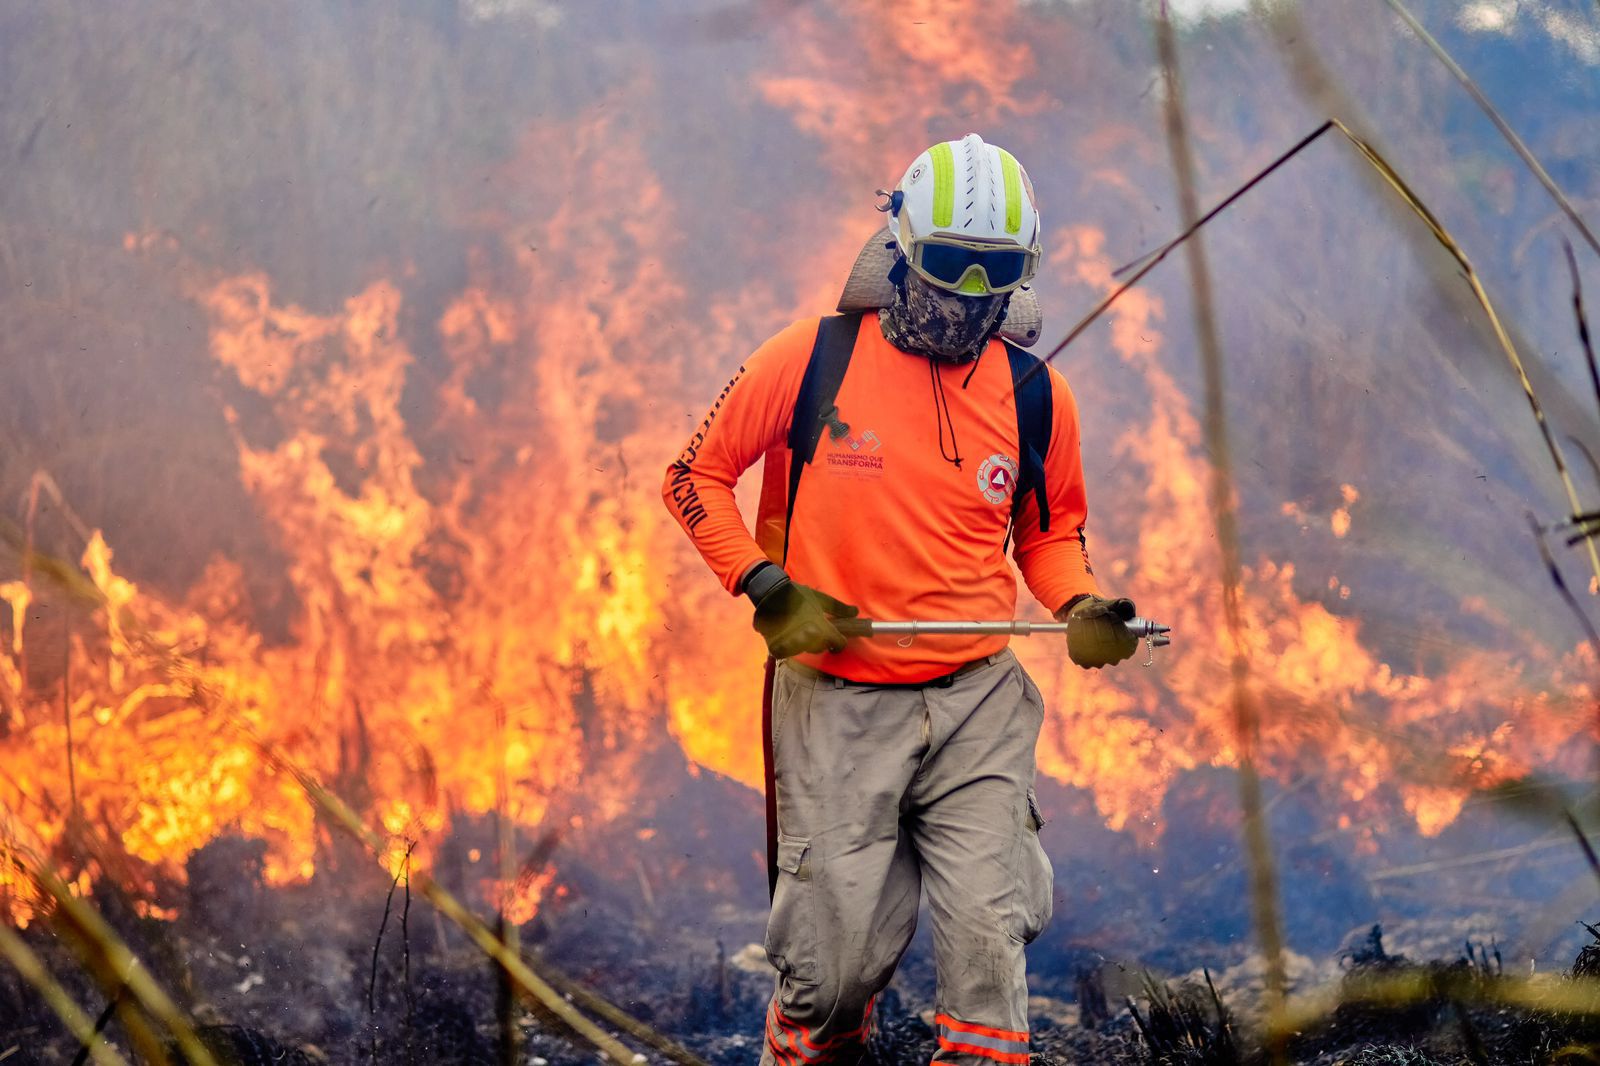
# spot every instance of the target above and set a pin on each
(363, 332)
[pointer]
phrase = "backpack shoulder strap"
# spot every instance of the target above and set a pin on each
(1030, 380)
(814, 407)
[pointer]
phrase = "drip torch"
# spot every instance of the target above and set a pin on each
(1154, 634)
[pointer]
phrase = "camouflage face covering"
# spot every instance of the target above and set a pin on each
(940, 325)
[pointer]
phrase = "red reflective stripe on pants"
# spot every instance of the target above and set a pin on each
(805, 1051)
(808, 1051)
(985, 1041)
(1018, 1057)
(982, 1030)
(779, 1054)
(776, 1031)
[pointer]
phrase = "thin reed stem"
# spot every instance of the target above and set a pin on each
(372, 979)
(1583, 842)
(1583, 320)
(1500, 124)
(346, 820)
(66, 719)
(108, 958)
(1442, 235)
(27, 963)
(1148, 262)
(1563, 589)
(1246, 716)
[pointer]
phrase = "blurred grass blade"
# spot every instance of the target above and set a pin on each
(1594, 466)
(22, 958)
(1572, 603)
(1540, 800)
(109, 959)
(481, 935)
(1583, 842)
(1148, 261)
(1246, 713)
(1583, 320)
(452, 908)
(1500, 124)
(1442, 235)
(1560, 583)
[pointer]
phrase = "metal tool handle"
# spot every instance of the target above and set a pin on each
(1143, 628)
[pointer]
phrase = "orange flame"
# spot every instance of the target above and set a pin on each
(485, 586)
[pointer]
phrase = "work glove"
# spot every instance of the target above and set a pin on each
(1096, 631)
(794, 619)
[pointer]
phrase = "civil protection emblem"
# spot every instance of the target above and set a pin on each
(997, 477)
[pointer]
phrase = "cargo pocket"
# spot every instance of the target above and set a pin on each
(1032, 879)
(791, 940)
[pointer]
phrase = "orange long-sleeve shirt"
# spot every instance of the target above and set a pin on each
(883, 518)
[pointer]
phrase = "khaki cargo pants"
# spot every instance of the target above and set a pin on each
(882, 792)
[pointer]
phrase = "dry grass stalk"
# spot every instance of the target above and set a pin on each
(1246, 717)
(1148, 262)
(1456, 862)
(505, 988)
(377, 944)
(1467, 987)
(1380, 166)
(1583, 842)
(1442, 235)
(26, 962)
(1587, 525)
(1500, 124)
(447, 904)
(1317, 84)
(1582, 319)
(1560, 583)
(113, 964)
(179, 667)
(602, 1008)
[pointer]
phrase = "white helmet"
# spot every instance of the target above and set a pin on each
(964, 218)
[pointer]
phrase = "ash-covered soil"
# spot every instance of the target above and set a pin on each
(362, 975)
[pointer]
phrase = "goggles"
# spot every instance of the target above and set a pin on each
(972, 268)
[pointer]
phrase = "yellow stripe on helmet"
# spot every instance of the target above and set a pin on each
(1011, 174)
(944, 184)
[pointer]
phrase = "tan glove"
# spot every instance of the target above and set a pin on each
(1096, 631)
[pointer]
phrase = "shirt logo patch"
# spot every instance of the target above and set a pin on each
(997, 478)
(860, 461)
(855, 455)
(868, 440)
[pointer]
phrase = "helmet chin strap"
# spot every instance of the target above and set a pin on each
(897, 275)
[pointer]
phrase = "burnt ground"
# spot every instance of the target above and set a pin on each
(302, 976)
(663, 916)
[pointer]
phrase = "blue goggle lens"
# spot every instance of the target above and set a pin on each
(949, 264)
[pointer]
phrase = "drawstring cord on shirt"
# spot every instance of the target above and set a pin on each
(978, 359)
(941, 413)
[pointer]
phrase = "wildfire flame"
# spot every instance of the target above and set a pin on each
(489, 605)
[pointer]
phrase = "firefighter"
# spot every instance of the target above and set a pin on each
(898, 768)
